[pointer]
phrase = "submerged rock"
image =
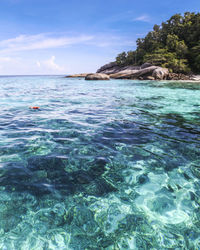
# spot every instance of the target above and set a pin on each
(97, 76)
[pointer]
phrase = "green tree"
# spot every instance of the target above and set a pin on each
(195, 52)
(174, 44)
(121, 59)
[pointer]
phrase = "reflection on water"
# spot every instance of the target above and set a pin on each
(102, 165)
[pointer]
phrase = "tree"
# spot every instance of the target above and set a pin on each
(195, 52)
(174, 44)
(121, 58)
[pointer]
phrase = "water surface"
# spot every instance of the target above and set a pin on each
(102, 165)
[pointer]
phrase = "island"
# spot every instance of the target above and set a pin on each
(171, 51)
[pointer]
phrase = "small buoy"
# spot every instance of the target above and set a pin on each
(35, 107)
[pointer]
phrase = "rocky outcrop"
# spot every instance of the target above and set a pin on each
(148, 73)
(160, 73)
(78, 75)
(135, 74)
(108, 67)
(114, 68)
(145, 65)
(175, 76)
(123, 74)
(143, 72)
(97, 76)
(195, 78)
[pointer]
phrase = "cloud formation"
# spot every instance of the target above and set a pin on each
(143, 18)
(27, 54)
(50, 65)
(44, 41)
(39, 41)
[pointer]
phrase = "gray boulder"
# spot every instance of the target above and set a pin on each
(114, 68)
(108, 66)
(137, 74)
(97, 76)
(144, 73)
(160, 73)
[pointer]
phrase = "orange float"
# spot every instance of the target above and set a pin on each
(34, 107)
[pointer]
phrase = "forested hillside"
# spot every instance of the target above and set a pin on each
(175, 44)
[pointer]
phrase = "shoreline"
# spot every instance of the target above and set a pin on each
(164, 80)
(145, 71)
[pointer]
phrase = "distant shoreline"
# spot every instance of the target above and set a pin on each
(82, 76)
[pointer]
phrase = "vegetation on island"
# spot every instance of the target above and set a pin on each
(175, 44)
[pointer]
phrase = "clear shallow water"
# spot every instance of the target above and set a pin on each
(102, 165)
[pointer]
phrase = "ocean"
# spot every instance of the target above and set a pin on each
(100, 165)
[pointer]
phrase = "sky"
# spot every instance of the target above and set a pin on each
(75, 36)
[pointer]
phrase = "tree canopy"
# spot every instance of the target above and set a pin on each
(175, 44)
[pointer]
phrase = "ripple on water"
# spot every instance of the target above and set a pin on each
(110, 165)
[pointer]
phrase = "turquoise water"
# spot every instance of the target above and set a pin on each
(102, 165)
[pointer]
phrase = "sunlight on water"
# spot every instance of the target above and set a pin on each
(102, 165)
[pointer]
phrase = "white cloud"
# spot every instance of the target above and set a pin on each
(50, 66)
(39, 41)
(45, 41)
(32, 54)
(143, 18)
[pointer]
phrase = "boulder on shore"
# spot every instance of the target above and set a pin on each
(97, 76)
(109, 67)
(114, 68)
(160, 73)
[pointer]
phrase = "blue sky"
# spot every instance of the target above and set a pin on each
(73, 36)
